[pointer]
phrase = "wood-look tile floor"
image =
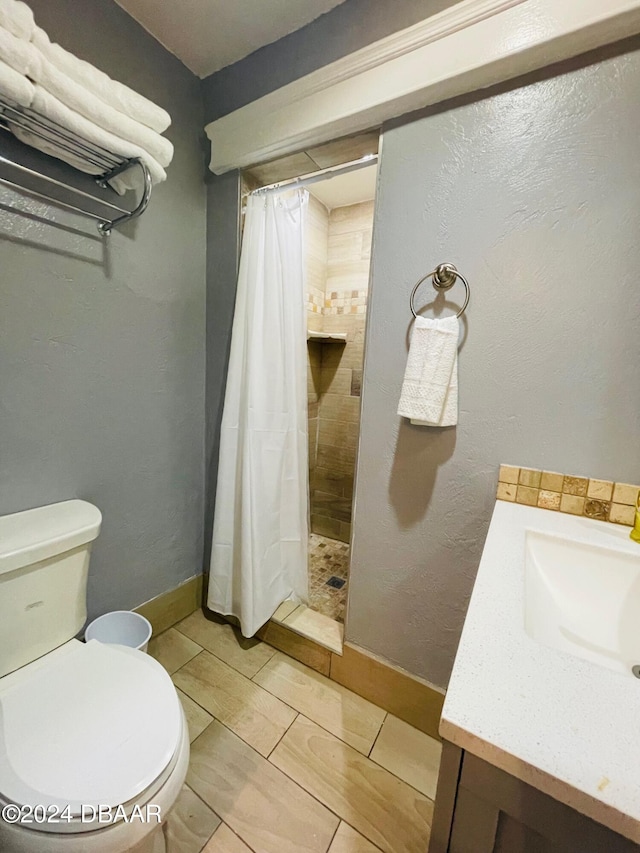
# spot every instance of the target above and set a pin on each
(283, 760)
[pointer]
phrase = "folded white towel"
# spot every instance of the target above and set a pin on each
(14, 86)
(80, 100)
(110, 92)
(50, 107)
(27, 59)
(21, 55)
(17, 17)
(430, 389)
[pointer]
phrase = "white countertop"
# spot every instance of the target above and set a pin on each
(566, 726)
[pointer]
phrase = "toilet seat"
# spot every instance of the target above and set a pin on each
(84, 707)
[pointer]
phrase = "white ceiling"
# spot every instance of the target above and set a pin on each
(351, 188)
(209, 34)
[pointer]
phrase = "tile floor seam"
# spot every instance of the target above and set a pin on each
(266, 662)
(320, 726)
(226, 661)
(283, 733)
(306, 790)
(296, 714)
(404, 781)
(186, 693)
(220, 723)
(284, 773)
(196, 703)
(177, 628)
(255, 683)
(291, 707)
(197, 795)
(362, 834)
(333, 837)
(212, 720)
(239, 837)
(327, 731)
(375, 740)
(322, 802)
(176, 671)
(324, 729)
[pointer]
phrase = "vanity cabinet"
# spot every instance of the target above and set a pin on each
(481, 809)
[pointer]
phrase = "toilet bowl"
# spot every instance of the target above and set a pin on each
(94, 745)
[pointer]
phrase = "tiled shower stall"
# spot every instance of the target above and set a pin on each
(338, 257)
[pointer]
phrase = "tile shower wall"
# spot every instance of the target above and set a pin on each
(335, 370)
(317, 238)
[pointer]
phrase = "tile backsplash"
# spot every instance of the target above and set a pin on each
(603, 500)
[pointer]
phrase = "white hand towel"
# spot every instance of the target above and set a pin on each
(19, 54)
(430, 389)
(80, 100)
(117, 95)
(17, 17)
(50, 107)
(14, 86)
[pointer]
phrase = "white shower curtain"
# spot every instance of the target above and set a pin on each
(260, 531)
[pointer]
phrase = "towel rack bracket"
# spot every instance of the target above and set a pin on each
(444, 276)
(106, 225)
(98, 159)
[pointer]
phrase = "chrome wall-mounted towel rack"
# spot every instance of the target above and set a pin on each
(103, 163)
(443, 277)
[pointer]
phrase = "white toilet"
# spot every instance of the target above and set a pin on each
(81, 725)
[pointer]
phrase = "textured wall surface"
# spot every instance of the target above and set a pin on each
(535, 195)
(102, 344)
(346, 28)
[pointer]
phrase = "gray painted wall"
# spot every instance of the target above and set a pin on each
(223, 234)
(102, 346)
(346, 28)
(527, 191)
(534, 194)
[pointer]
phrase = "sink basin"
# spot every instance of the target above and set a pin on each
(584, 599)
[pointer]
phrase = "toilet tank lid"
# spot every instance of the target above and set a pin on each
(37, 534)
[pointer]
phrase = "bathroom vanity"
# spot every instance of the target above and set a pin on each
(541, 722)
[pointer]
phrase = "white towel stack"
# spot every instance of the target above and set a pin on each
(53, 82)
(430, 389)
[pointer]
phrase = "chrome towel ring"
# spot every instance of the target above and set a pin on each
(444, 277)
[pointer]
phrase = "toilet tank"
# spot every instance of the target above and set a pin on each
(44, 562)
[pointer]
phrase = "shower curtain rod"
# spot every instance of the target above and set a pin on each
(321, 175)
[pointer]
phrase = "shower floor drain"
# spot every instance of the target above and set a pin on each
(338, 583)
(636, 670)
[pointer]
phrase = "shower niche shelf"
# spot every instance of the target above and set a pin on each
(44, 183)
(327, 337)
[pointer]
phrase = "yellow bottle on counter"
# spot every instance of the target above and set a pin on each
(635, 532)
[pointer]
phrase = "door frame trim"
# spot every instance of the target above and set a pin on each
(469, 46)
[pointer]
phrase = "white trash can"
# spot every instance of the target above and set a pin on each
(123, 627)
